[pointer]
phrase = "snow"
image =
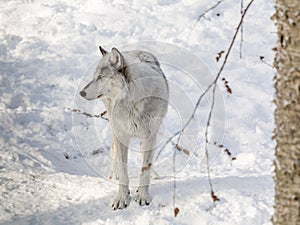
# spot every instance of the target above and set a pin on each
(55, 165)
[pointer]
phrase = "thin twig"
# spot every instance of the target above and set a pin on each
(165, 144)
(209, 9)
(232, 41)
(214, 85)
(263, 61)
(242, 30)
(207, 140)
(174, 181)
(186, 124)
(180, 132)
(214, 197)
(78, 111)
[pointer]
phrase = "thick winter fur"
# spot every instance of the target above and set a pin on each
(135, 93)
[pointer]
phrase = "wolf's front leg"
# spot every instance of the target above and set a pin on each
(113, 162)
(123, 198)
(147, 149)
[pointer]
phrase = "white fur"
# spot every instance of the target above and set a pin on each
(135, 93)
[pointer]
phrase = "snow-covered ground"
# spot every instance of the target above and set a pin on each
(54, 164)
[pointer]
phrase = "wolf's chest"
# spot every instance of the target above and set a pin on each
(130, 121)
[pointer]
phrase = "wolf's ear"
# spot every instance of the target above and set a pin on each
(116, 59)
(103, 51)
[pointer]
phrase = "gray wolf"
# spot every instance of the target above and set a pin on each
(135, 93)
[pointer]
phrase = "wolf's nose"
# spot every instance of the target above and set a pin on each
(82, 93)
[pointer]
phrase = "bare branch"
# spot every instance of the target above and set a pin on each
(214, 86)
(184, 150)
(263, 61)
(207, 140)
(242, 30)
(214, 82)
(214, 197)
(176, 210)
(78, 111)
(209, 9)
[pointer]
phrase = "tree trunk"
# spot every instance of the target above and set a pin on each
(287, 113)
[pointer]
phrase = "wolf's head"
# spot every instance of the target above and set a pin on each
(109, 76)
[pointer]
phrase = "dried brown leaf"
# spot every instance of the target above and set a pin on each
(228, 89)
(219, 55)
(146, 167)
(176, 211)
(103, 113)
(228, 152)
(214, 197)
(179, 148)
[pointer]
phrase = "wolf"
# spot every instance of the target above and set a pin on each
(135, 93)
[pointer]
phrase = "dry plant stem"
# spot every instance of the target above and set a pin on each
(214, 93)
(209, 9)
(78, 111)
(214, 85)
(242, 32)
(268, 64)
(174, 180)
(207, 140)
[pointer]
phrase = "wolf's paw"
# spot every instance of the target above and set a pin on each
(142, 197)
(121, 202)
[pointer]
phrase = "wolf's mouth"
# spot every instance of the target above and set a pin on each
(99, 95)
